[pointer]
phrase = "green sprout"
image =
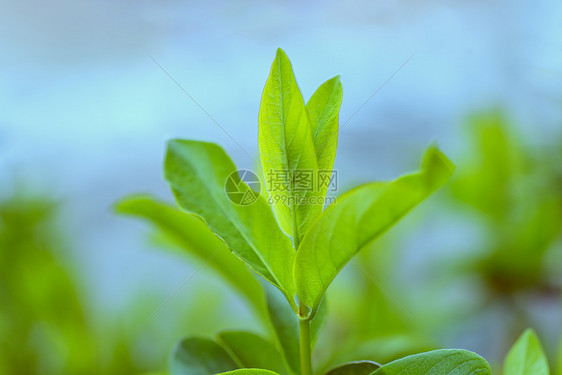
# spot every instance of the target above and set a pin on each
(287, 236)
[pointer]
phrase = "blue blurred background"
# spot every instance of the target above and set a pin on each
(85, 113)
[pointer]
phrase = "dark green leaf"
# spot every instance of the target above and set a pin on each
(286, 327)
(355, 368)
(252, 351)
(438, 362)
(197, 356)
(250, 371)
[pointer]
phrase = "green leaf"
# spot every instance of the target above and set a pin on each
(355, 368)
(286, 327)
(192, 234)
(252, 351)
(197, 356)
(250, 371)
(287, 150)
(438, 362)
(323, 110)
(526, 357)
(197, 173)
(357, 219)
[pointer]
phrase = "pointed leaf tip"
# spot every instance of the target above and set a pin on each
(526, 356)
(281, 54)
(287, 149)
(441, 166)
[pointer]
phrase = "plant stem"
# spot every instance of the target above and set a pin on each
(304, 324)
(305, 347)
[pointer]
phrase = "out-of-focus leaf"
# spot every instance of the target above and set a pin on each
(323, 110)
(526, 357)
(198, 356)
(197, 173)
(358, 218)
(355, 368)
(43, 322)
(286, 328)
(488, 184)
(438, 362)
(252, 351)
(377, 315)
(287, 149)
(192, 234)
(250, 371)
(515, 189)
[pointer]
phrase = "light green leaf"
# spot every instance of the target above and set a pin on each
(323, 110)
(250, 371)
(358, 218)
(438, 362)
(197, 173)
(197, 356)
(287, 150)
(192, 234)
(252, 351)
(526, 357)
(355, 368)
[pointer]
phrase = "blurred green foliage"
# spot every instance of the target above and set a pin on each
(512, 188)
(44, 325)
(517, 192)
(190, 233)
(366, 319)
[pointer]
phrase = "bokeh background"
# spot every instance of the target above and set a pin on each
(86, 107)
